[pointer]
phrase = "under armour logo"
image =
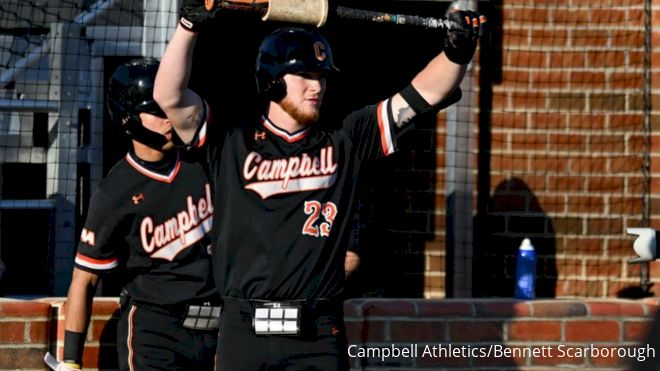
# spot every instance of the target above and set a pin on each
(259, 135)
(138, 198)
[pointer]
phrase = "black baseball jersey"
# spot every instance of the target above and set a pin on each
(283, 206)
(156, 219)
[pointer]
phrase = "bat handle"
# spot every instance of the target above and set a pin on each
(374, 16)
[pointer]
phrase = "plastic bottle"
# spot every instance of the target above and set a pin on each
(526, 271)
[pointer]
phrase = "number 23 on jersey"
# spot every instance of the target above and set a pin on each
(321, 217)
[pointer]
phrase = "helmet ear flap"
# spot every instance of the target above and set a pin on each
(275, 90)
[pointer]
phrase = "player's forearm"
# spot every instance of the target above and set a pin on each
(171, 85)
(439, 79)
(181, 105)
(79, 301)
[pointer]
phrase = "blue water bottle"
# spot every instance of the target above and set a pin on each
(526, 271)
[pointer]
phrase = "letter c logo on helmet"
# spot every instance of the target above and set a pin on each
(319, 51)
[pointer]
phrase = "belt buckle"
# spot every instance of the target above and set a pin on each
(276, 318)
(202, 317)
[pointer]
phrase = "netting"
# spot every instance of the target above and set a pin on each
(550, 141)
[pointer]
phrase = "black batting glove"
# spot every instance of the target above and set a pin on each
(195, 14)
(461, 41)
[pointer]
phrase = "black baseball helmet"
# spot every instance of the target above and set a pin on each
(130, 92)
(290, 50)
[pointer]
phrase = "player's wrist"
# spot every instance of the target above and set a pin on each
(74, 343)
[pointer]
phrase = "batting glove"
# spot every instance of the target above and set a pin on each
(462, 37)
(68, 366)
(195, 14)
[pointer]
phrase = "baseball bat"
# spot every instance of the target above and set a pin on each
(51, 361)
(261, 6)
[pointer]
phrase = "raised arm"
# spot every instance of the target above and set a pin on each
(442, 76)
(183, 107)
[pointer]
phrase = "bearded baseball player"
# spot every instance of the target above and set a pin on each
(151, 215)
(285, 187)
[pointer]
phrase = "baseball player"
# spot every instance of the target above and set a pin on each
(152, 215)
(285, 187)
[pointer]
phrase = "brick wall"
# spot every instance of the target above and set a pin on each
(558, 331)
(24, 334)
(559, 149)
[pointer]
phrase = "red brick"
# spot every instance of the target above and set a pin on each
(23, 358)
(607, 356)
(511, 357)
(475, 331)
(626, 80)
(510, 120)
(515, 79)
(558, 309)
(417, 331)
(12, 308)
(12, 332)
(592, 330)
(604, 226)
(529, 100)
(581, 287)
(546, 79)
(548, 120)
(106, 307)
(603, 268)
(38, 332)
(604, 184)
(364, 331)
(388, 308)
(570, 16)
(586, 204)
(527, 141)
(615, 309)
(444, 308)
(502, 308)
(568, 59)
(101, 328)
(626, 205)
(549, 37)
(534, 330)
(637, 330)
(586, 79)
(607, 59)
(438, 362)
(557, 356)
(567, 142)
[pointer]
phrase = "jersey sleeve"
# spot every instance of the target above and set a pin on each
(200, 138)
(100, 236)
(372, 131)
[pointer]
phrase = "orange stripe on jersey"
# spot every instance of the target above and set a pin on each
(283, 133)
(129, 338)
(384, 128)
(201, 137)
(168, 178)
(99, 264)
